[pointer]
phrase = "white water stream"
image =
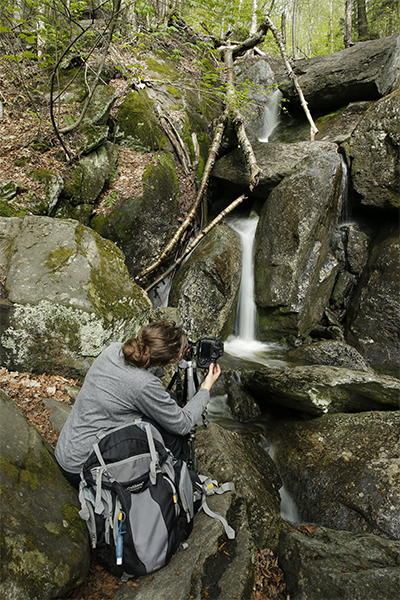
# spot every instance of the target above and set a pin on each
(271, 115)
(245, 344)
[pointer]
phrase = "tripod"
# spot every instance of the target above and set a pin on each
(185, 394)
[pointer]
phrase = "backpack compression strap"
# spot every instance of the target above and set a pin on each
(210, 487)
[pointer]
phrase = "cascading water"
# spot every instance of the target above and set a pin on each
(245, 344)
(271, 115)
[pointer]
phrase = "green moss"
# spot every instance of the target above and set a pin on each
(165, 69)
(173, 91)
(76, 525)
(137, 125)
(58, 259)
(42, 175)
(73, 183)
(9, 469)
(8, 210)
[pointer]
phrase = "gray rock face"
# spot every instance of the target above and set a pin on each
(205, 289)
(322, 563)
(374, 148)
(276, 161)
(228, 456)
(343, 471)
(44, 542)
(366, 71)
(319, 389)
(294, 270)
(374, 315)
(67, 295)
(333, 353)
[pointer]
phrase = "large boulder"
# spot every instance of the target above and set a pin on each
(137, 125)
(293, 266)
(86, 180)
(373, 324)
(374, 149)
(319, 389)
(321, 563)
(66, 295)
(228, 456)
(343, 471)
(276, 161)
(143, 226)
(45, 548)
(206, 288)
(335, 353)
(366, 71)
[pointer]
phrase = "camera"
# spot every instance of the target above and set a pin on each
(206, 351)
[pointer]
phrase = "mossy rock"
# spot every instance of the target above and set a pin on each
(69, 295)
(137, 125)
(86, 180)
(44, 543)
(143, 226)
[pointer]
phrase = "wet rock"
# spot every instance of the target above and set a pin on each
(322, 563)
(343, 471)
(205, 290)
(374, 148)
(333, 353)
(319, 389)
(276, 161)
(373, 321)
(365, 71)
(294, 269)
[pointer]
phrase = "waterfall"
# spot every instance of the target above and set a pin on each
(271, 115)
(245, 344)
(346, 216)
(246, 314)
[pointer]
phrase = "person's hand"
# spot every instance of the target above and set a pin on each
(214, 372)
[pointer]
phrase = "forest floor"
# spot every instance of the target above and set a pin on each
(27, 143)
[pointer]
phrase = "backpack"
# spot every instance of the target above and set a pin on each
(138, 501)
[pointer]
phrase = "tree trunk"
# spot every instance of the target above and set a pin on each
(294, 30)
(348, 24)
(362, 23)
(253, 28)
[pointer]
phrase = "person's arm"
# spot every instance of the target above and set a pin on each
(155, 402)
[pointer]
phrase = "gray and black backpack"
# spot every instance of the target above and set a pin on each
(138, 501)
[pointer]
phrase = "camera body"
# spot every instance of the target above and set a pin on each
(206, 351)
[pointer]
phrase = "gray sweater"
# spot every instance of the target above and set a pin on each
(115, 393)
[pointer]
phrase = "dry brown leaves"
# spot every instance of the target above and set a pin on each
(99, 585)
(28, 391)
(269, 581)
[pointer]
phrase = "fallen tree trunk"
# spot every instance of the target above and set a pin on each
(292, 75)
(244, 142)
(197, 240)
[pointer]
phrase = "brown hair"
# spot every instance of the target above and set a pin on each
(156, 345)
